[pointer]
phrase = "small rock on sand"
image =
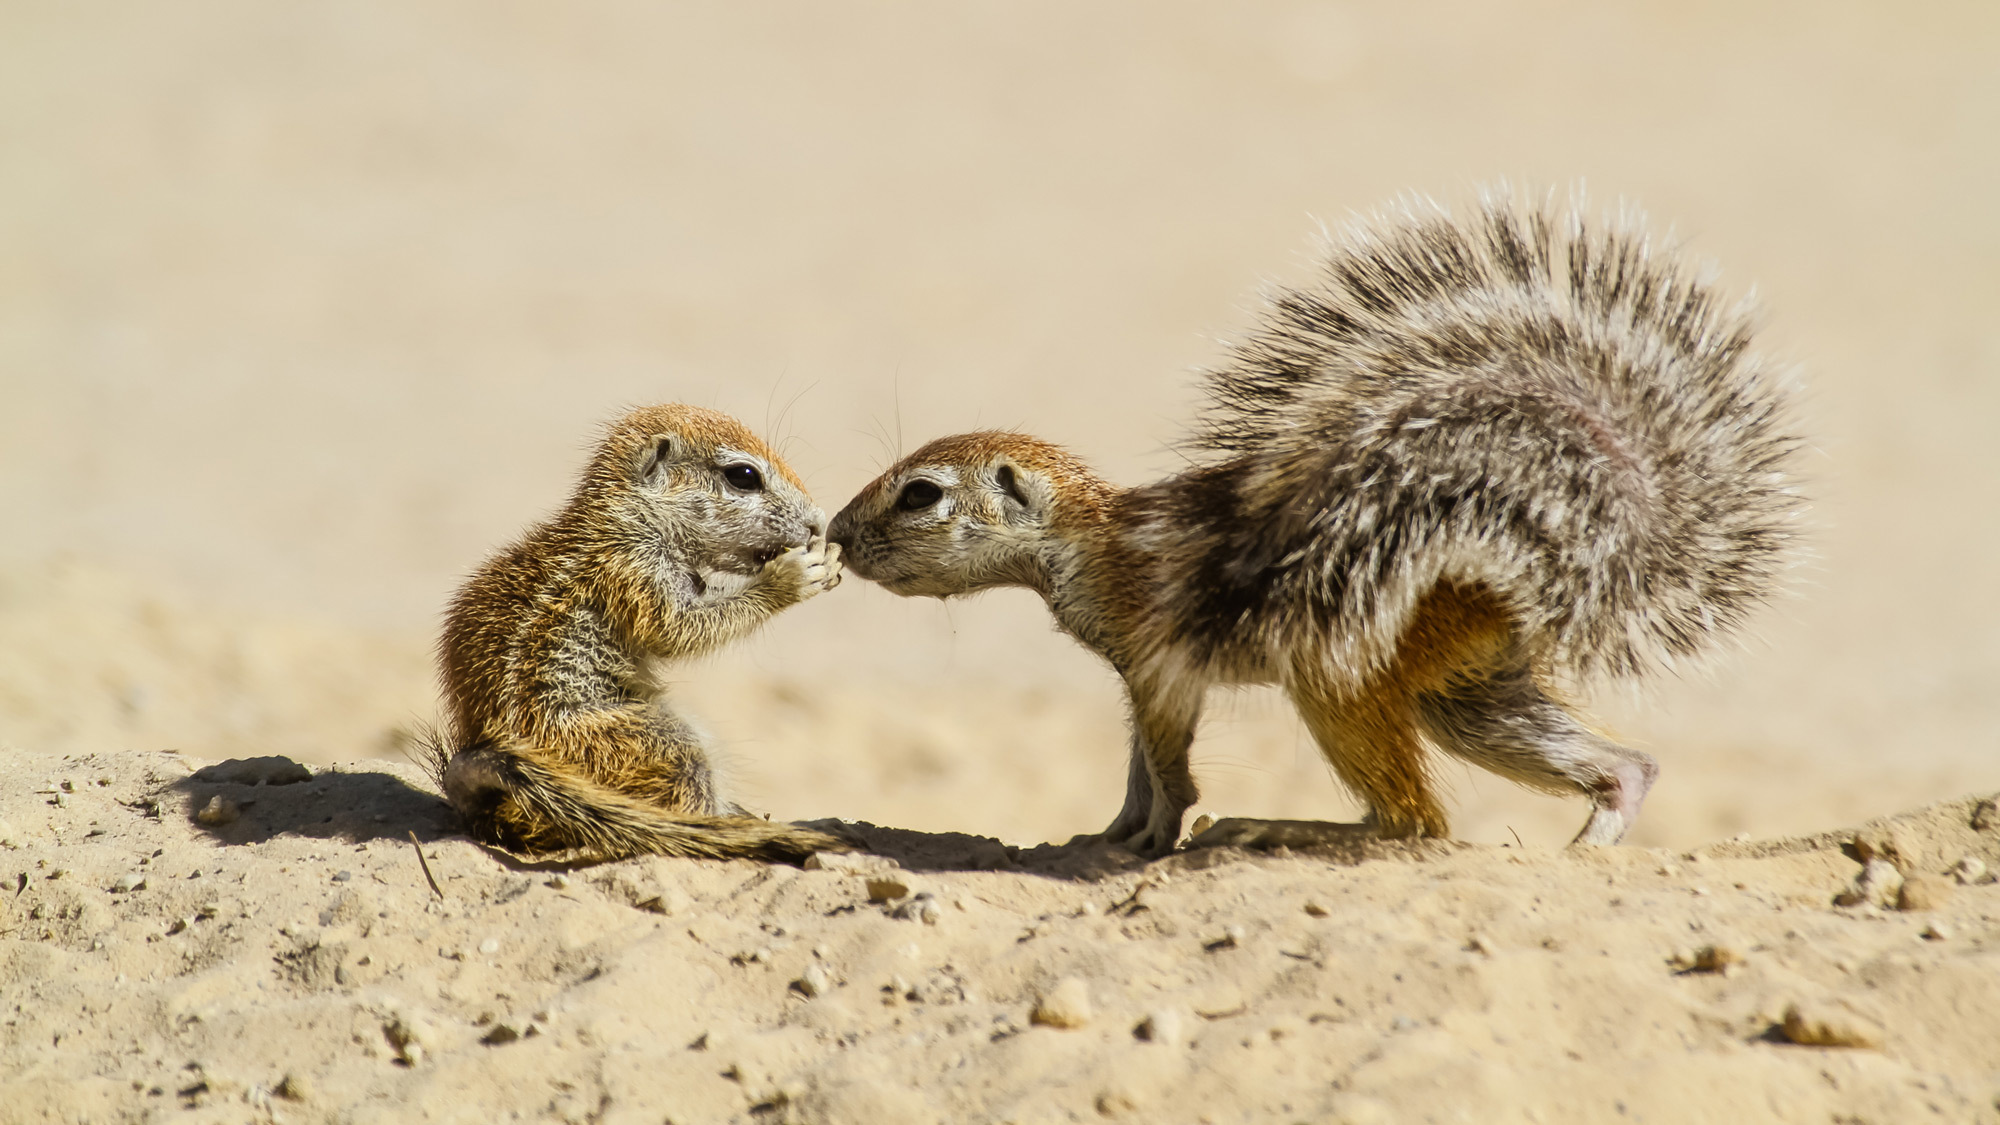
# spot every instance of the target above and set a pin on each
(295, 1088)
(1986, 817)
(500, 1034)
(1969, 870)
(1067, 1005)
(219, 811)
(886, 888)
(1924, 892)
(813, 982)
(1878, 883)
(1825, 1025)
(1722, 959)
(409, 1035)
(1165, 1026)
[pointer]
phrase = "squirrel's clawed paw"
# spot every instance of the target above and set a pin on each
(811, 569)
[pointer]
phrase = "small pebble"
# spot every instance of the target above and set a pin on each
(558, 881)
(128, 882)
(886, 888)
(1986, 818)
(1924, 892)
(1878, 883)
(295, 1088)
(410, 1036)
(219, 811)
(922, 907)
(1711, 959)
(1969, 870)
(1480, 943)
(1232, 936)
(500, 1033)
(1937, 931)
(490, 946)
(1824, 1025)
(813, 982)
(343, 876)
(1316, 910)
(1165, 1026)
(1067, 1005)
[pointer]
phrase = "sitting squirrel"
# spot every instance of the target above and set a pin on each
(1478, 454)
(685, 532)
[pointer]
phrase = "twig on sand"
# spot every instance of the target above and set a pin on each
(1510, 828)
(425, 864)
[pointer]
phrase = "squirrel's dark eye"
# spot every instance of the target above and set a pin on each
(745, 477)
(919, 494)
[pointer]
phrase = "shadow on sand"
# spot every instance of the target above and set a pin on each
(250, 801)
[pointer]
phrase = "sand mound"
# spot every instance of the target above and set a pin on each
(252, 938)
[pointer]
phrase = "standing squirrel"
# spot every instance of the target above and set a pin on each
(1478, 455)
(685, 532)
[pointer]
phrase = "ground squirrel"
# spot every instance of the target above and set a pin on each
(1479, 456)
(684, 533)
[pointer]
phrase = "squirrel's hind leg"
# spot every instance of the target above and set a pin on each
(1370, 739)
(1504, 721)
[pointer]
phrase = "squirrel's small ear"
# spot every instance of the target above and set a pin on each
(1027, 493)
(654, 459)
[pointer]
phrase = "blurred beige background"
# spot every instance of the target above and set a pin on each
(305, 307)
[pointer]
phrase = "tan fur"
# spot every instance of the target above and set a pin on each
(562, 741)
(1477, 453)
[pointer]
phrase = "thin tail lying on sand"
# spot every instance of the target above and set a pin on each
(515, 802)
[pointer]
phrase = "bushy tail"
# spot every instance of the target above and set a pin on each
(1557, 411)
(515, 802)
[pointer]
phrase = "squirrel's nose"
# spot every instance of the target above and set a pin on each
(842, 530)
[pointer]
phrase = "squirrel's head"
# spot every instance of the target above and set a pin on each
(698, 483)
(963, 513)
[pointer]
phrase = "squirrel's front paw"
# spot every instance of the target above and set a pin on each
(808, 570)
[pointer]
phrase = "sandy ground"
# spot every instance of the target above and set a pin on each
(252, 940)
(305, 308)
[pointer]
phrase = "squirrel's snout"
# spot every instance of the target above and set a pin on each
(841, 531)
